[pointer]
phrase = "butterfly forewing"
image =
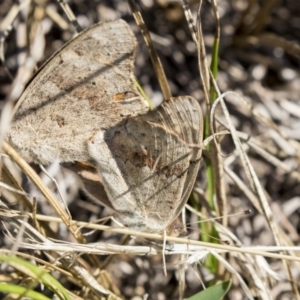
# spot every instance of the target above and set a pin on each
(85, 87)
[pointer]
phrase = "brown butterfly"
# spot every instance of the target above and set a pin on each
(83, 106)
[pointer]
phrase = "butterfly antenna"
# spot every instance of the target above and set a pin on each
(196, 32)
(159, 71)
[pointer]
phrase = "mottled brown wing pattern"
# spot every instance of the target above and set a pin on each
(74, 95)
(187, 112)
(83, 106)
(146, 167)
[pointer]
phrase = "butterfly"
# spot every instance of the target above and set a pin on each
(83, 108)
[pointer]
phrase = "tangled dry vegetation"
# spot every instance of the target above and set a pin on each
(255, 168)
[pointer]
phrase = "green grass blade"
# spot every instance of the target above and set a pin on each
(21, 291)
(216, 292)
(143, 94)
(210, 234)
(36, 273)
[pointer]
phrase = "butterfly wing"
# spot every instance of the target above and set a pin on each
(183, 116)
(85, 87)
(146, 167)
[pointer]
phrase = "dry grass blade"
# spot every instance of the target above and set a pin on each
(5, 27)
(202, 60)
(45, 191)
(250, 172)
(252, 177)
(274, 40)
(160, 73)
(181, 246)
(65, 260)
(69, 13)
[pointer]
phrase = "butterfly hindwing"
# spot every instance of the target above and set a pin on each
(147, 168)
(183, 116)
